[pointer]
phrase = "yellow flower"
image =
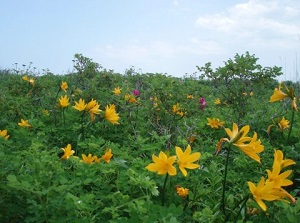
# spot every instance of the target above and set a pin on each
(80, 106)
(175, 108)
(94, 111)
(283, 124)
(111, 115)
(163, 164)
(238, 138)
(3, 133)
(67, 152)
(64, 86)
(278, 95)
(117, 91)
(279, 163)
(92, 108)
(279, 179)
(251, 93)
(64, 101)
(182, 192)
(107, 155)
(130, 98)
(190, 96)
(215, 123)
(97, 159)
(263, 191)
(186, 159)
(24, 123)
(217, 101)
(91, 104)
(25, 78)
(278, 160)
(31, 81)
(253, 148)
(180, 113)
(88, 159)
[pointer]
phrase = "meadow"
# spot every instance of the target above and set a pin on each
(221, 145)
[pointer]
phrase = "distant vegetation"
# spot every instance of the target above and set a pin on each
(221, 145)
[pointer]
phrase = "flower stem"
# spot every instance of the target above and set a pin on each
(82, 127)
(63, 113)
(224, 181)
(163, 191)
(292, 121)
(243, 202)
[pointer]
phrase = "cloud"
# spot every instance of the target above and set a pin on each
(255, 20)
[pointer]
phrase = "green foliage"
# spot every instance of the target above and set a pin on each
(237, 80)
(37, 185)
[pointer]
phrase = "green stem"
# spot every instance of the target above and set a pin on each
(292, 121)
(224, 181)
(243, 202)
(163, 191)
(82, 127)
(54, 111)
(63, 112)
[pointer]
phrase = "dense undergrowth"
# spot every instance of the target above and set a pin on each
(129, 121)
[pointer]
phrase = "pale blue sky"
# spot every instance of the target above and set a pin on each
(158, 36)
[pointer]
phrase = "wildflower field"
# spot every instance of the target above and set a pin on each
(221, 145)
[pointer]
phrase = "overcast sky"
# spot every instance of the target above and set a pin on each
(158, 36)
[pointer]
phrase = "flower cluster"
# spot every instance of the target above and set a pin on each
(177, 110)
(130, 98)
(91, 107)
(164, 164)
(271, 189)
(155, 101)
(94, 159)
(239, 139)
(29, 80)
(89, 159)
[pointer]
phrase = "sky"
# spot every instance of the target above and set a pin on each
(156, 36)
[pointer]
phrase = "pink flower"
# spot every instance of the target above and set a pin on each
(202, 103)
(136, 92)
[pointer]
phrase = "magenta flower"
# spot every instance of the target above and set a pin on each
(202, 103)
(136, 92)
